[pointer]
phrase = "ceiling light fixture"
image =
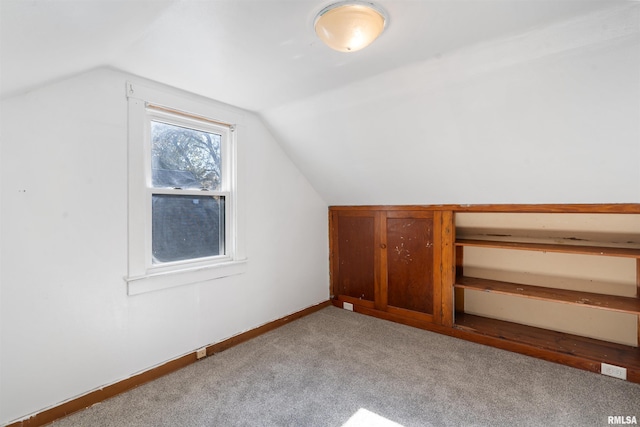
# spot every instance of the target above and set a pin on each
(348, 26)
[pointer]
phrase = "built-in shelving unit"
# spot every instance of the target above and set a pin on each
(557, 282)
(576, 350)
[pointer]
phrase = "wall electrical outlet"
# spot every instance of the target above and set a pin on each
(613, 371)
(202, 352)
(347, 306)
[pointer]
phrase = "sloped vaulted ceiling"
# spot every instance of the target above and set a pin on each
(255, 54)
(551, 115)
(363, 127)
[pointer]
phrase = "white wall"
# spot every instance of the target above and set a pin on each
(550, 116)
(68, 326)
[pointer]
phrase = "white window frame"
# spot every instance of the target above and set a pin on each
(144, 105)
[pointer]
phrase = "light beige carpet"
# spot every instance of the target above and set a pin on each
(336, 368)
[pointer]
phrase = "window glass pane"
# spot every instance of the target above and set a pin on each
(186, 227)
(184, 158)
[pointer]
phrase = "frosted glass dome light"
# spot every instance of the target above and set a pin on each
(349, 26)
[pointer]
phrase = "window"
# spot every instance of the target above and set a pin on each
(182, 193)
(188, 188)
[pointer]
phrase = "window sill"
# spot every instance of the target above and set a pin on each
(169, 279)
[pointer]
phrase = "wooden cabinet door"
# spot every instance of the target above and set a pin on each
(354, 256)
(408, 263)
(394, 261)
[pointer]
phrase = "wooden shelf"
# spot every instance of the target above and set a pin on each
(574, 350)
(560, 248)
(588, 299)
(548, 342)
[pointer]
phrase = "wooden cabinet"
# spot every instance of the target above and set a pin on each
(411, 264)
(389, 260)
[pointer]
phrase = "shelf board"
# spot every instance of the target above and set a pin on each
(547, 341)
(549, 247)
(586, 299)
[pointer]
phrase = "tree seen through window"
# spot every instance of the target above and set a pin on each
(185, 158)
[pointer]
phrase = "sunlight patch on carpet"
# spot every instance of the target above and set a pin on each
(364, 418)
